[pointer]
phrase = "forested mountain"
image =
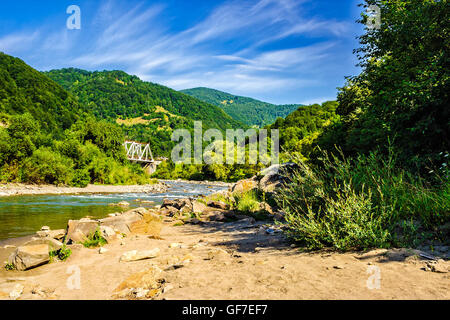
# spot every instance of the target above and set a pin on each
(146, 111)
(299, 129)
(24, 89)
(250, 111)
(46, 136)
(116, 94)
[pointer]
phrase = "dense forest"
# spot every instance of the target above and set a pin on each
(23, 89)
(146, 111)
(247, 110)
(46, 136)
(372, 166)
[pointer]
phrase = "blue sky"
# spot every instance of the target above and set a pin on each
(279, 51)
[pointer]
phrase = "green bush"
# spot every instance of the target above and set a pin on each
(359, 203)
(48, 166)
(95, 240)
(10, 266)
(247, 202)
(64, 253)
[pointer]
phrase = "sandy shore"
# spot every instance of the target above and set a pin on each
(233, 261)
(23, 189)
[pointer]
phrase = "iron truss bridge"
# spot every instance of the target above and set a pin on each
(139, 152)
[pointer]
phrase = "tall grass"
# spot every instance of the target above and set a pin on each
(361, 203)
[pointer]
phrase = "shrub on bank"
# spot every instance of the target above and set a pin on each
(47, 166)
(361, 203)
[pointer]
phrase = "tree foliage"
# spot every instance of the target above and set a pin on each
(401, 95)
(25, 90)
(247, 110)
(147, 112)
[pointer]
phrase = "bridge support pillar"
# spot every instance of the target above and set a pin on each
(150, 168)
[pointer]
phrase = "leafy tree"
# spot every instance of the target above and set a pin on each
(401, 95)
(46, 166)
(23, 132)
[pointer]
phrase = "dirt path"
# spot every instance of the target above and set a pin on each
(234, 261)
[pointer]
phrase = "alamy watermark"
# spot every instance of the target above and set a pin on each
(374, 17)
(74, 21)
(74, 280)
(374, 280)
(237, 147)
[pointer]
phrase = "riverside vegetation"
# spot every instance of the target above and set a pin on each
(372, 166)
(377, 175)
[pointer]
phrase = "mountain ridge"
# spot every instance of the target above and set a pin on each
(251, 111)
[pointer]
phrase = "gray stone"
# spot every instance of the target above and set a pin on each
(123, 222)
(170, 211)
(108, 233)
(219, 205)
(198, 207)
(217, 216)
(55, 234)
(53, 244)
(275, 176)
(139, 255)
(177, 203)
(31, 256)
(79, 230)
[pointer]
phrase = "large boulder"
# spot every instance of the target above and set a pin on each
(53, 244)
(30, 256)
(177, 203)
(170, 211)
(55, 234)
(119, 223)
(243, 186)
(122, 223)
(198, 207)
(218, 204)
(217, 216)
(108, 233)
(275, 176)
(174, 207)
(79, 230)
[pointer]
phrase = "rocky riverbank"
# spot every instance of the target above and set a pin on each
(204, 248)
(241, 259)
(24, 189)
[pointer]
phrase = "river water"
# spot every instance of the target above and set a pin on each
(24, 215)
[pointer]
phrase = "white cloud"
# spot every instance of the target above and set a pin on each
(18, 41)
(139, 41)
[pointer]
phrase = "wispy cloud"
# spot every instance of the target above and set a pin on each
(18, 41)
(235, 47)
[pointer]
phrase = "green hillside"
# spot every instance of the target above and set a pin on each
(26, 90)
(47, 137)
(300, 129)
(116, 94)
(146, 111)
(250, 111)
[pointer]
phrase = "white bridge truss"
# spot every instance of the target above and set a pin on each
(139, 152)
